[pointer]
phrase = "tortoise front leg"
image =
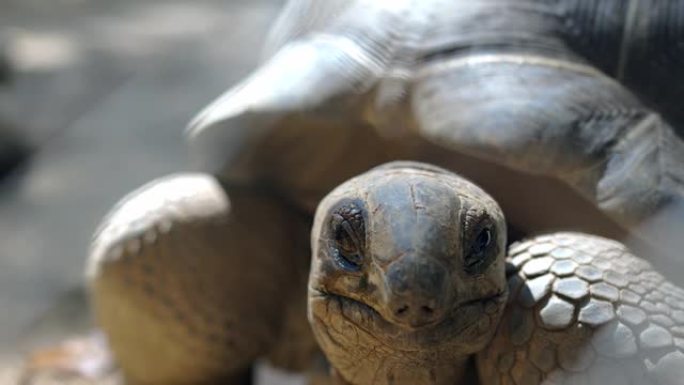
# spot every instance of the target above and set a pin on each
(585, 310)
(190, 285)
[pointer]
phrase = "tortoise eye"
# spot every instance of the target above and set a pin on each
(348, 236)
(351, 262)
(480, 252)
(483, 240)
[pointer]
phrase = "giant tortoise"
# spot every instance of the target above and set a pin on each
(542, 103)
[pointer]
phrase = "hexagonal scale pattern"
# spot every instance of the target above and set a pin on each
(655, 337)
(541, 248)
(563, 267)
(520, 259)
(537, 266)
(614, 340)
(562, 253)
(605, 291)
(535, 290)
(557, 313)
(596, 312)
(582, 257)
(589, 312)
(589, 273)
(631, 315)
(572, 288)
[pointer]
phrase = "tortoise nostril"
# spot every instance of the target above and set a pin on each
(417, 289)
(402, 310)
(416, 314)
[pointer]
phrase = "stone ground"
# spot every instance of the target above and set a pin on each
(101, 91)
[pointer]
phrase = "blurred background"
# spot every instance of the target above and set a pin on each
(94, 97)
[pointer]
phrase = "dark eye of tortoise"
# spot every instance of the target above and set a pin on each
(480, 245)
(348, 230)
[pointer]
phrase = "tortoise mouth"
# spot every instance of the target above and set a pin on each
(463, 323)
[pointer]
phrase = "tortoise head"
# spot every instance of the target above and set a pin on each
(408, 274)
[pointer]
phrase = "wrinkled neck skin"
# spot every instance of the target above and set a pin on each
(393, 356)
(386, 368)
(403, 373)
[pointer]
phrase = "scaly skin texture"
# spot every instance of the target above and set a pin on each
(584, 310)
(191, 286)
(420, 298)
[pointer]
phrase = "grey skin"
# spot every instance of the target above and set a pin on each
(410, 284)
(196, 276)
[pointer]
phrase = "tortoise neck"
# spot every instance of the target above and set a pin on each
(390, 372)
